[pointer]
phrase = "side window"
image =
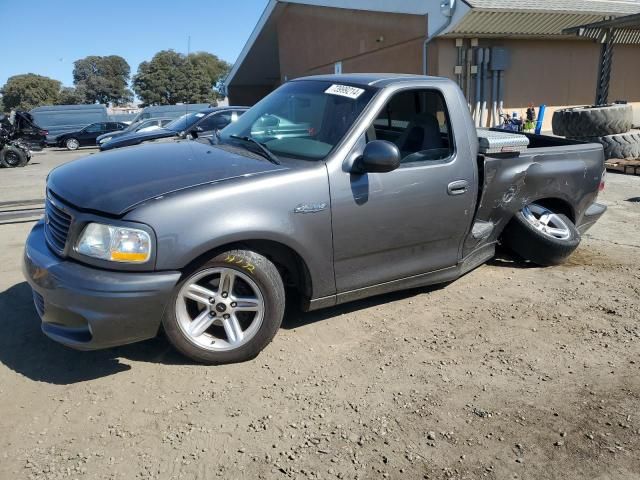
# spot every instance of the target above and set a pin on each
(417, 121)
(215, 122)
(95, 128)
(236, 114)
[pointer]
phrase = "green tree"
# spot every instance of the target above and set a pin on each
(27, 91)
(103, 79)
(72, 96)
(216, 68)
(171, 77)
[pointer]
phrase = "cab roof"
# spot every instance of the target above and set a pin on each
(379, 80)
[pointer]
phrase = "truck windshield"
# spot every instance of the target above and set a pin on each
(302, 119)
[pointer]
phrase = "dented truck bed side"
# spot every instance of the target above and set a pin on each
(555, 171)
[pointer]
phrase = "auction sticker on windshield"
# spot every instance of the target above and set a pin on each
(344, 91)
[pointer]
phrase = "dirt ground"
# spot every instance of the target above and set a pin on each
(512, 371)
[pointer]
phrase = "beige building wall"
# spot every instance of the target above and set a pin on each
(312, 39)
(557, 73)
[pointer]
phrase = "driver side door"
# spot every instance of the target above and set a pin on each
(410, 221)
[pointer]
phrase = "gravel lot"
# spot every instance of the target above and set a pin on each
(512, 371)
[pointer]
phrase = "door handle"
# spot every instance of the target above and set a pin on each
(458, 187)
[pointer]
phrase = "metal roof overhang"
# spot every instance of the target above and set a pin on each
(518, 24)
(627, 30)
(259, 61)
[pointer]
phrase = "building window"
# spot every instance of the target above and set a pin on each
(337, 68)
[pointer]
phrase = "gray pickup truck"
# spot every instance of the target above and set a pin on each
(331, 189)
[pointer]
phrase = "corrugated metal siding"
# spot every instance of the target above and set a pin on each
(519, 23)
(600, 7)
(623, 37)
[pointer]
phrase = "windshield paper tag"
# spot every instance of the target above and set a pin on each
(345, 91)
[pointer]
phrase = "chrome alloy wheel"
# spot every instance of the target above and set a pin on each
(220, 309)
(72, 144)
(546, 222)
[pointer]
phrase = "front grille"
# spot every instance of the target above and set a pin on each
(38, 301)
(56, 226)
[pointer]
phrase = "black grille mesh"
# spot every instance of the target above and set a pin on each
(56, 228)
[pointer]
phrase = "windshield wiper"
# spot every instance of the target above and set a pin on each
(265, 151)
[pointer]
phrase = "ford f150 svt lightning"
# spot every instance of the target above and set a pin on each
(332, 187)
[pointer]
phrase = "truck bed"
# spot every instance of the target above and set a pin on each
(566, 173)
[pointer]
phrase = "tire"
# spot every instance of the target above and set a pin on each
(72, 144)
(592, 121)
(211, 328)
(526, 236)
(11, 157)
(622, 145)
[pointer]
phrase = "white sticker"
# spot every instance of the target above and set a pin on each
(344, 91)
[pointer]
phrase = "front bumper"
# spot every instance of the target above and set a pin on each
(591, 216)
(88, 308)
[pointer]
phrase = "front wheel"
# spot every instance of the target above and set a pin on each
(72, 144)
(11, 157)
(226, 310)
(541, 236)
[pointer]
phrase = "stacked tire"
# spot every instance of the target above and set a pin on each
(609, 125)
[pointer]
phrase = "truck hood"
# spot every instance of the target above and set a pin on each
(114, 182)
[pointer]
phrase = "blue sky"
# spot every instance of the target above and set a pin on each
(46, 37)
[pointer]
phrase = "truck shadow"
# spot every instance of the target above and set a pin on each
(27, 351)
(295, 318)
(505, 258)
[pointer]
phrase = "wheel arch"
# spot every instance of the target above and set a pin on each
(290, 264)
(555, 204)
(558, 205)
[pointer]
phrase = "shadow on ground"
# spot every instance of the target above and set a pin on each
(27, 351)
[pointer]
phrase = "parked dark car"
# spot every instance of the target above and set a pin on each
(141, 126)
(170, 111)
(88, 135)
(201, 124)
(390, 187)
(59, 119)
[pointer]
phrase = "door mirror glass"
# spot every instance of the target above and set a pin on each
(268, 121)
(379, 156)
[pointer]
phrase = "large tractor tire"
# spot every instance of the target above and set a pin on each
(622, 145)
(601, 121)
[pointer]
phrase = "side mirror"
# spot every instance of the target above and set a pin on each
(379, 156)
(269, 121)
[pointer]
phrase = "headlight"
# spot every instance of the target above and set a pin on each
(116, 244)
(105, 140)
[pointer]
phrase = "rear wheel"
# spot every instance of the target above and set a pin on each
(72, 144)
(541, 236)
(227, 309)
(12, 157)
